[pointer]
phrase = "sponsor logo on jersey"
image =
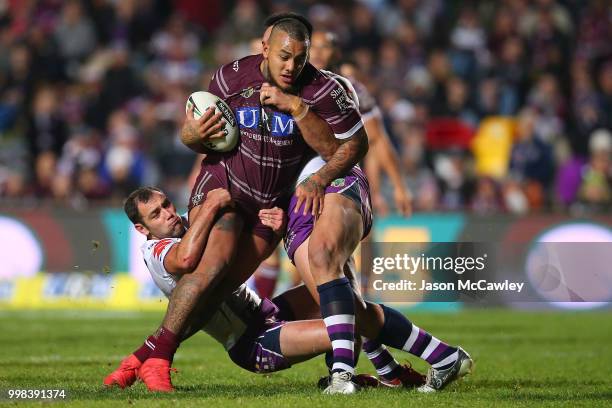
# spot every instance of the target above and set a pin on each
(227, 113)
(341, 98)
(197, 199)
(279, 124)
(247, 93)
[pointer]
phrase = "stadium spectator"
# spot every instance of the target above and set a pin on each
(478, 62)
(595, 190)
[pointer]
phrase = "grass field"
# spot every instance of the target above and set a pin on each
(522, 359)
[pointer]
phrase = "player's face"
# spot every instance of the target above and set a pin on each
(321, 50)
(285, 58)
(160, 219)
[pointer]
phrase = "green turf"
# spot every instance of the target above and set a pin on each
(522, 359)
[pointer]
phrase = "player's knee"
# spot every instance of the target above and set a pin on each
(324, 254)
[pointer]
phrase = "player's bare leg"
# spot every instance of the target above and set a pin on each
(258, 249)
(388, 327)
(335, 236)
(216, 260)
(127, 372)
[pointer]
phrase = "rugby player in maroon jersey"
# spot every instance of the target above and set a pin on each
(278, 100)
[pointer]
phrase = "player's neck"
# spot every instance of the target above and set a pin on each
(263, 67)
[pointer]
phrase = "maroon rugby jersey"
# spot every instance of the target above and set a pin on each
(271, 150)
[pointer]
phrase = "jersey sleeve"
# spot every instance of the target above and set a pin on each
(218, 83)
(367, 104)
(161, 248)
(154, 252)
(332, 103)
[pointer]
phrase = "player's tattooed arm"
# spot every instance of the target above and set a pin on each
(185, 256)
(350, 152)
(318, 135)
(312, 190)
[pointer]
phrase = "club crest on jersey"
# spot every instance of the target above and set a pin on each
(278, 125)
(197, 199)
(338, 182)
(235, 66)
(247, 93)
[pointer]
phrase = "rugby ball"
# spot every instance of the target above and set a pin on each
(201, 101)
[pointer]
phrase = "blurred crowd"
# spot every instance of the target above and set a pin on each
(494, 106)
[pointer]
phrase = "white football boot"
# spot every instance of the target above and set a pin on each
(341, 384)
(438, 379)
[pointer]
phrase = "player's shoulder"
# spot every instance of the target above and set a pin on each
(347, 83)
(318, 83)
(154, 248)
(237, 75)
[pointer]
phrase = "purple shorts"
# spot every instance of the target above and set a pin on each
(354, 186)
(258, 349)
(214, 175)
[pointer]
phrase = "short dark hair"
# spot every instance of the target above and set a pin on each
(294, 28)
(275, 18)
(140, 195)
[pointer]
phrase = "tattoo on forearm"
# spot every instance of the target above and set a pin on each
(312, 128)
(347, 155)
(310, 185)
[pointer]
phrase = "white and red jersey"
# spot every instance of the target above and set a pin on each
(233, 316)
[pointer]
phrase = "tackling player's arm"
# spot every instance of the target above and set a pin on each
(184, 256)
(274, 218)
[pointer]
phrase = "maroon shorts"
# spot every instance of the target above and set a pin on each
(215, 175)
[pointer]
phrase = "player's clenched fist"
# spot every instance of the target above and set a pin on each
(273, 218)
(217, 199)
(271, 95)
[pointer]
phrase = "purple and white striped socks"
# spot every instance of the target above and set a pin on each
(385, 364)
(338, 312)
(398, 332)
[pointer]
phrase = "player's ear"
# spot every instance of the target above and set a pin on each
(142, 229)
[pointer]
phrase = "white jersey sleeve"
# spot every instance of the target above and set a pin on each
(154, 252)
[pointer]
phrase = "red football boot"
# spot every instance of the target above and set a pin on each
(126, 374)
